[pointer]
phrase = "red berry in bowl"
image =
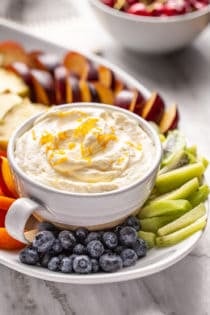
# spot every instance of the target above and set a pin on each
(110, 3)
(157, 9)
(138, 9)
(130, 2)
(172, 7)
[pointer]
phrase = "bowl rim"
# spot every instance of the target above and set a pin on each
(142, 122)
(138, 18)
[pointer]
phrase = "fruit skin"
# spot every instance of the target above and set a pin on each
(6, 179)
(29, 256)
(148, 237)
(92, 236)
(95, 248)
(110, 3)
(119, 249)
(79, 249)
(127, 236)
(72, 89)
(140, 248)
(2, 217)
(82, 264)
(110, 240)
(67, 239)
(44, 260)
(129, 257)
(110, 262)
(43, 241)
(66, 265)
(134, 222)
(54, 264)
(12, 51)
(81, 234)
(56, 247)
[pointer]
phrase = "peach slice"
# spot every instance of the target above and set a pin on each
(88, 92)
(170, 119)
(11, 51)
(106, 77)
(32, 57)
(76, 63)
(153, 109)
(106, 95)
(72, 89)
(43, 86)
(124, 99)
(6, 180)
(60, 75)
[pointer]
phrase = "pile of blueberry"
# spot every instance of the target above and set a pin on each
(82, 251)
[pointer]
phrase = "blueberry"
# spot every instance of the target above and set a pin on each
(119, 249)
(134, 222)
(82, 264)
(110, 240)
(92, 236)
(45, 259)
(29, 256)
(81, 234)
(61, 256)
(140, 247)
(43, 241)
(56, 247)
(95, 248)
(129, 257)
(66, 265)
(53, 264)
(79, 249)
(46, 226)
(110, 262)
(68, 241)
(72, 257)
(127, 236)
(95, 265)
(117, 229)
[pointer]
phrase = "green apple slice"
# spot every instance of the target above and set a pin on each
(164, 207)
(173, 179)
(200, 195)
(175, 141)
(154, 223)
(148, 237)
(183, 221)
(178, 236)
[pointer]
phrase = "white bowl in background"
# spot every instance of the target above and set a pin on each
(151, 34)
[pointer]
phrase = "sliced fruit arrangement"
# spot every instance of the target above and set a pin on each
(175, 209)
(8, 195)
(51, 80)
(156, 8)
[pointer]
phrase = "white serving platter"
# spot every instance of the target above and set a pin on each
(156, 259)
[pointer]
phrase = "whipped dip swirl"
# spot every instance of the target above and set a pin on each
(85, 150)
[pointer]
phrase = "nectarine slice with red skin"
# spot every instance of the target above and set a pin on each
(76, 63)
(60, 75)
(106, 77)
(85, 91)
(72, 89)
(153, 109)
(105, 94)
(43, 85)
(170, 119)
(12, 51)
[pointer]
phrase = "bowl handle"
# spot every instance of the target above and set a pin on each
(17, 217)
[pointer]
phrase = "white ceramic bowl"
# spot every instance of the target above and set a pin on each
(77, 209)
(151, 34)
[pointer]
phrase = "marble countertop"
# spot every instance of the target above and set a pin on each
(182, 289)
